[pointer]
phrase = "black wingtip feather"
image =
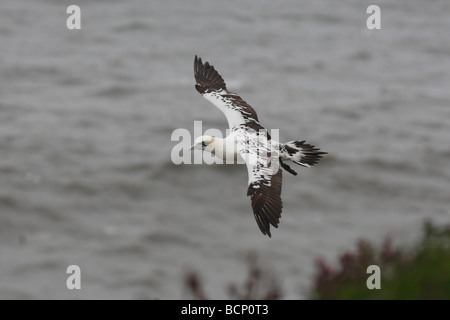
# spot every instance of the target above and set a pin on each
(207, 78)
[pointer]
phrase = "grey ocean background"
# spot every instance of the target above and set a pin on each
(86, 119)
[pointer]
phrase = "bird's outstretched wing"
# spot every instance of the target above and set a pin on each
(210, 84)
(264, 180)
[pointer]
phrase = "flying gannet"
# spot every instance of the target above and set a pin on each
(248, 141)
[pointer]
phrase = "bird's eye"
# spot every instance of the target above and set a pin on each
(203, 144)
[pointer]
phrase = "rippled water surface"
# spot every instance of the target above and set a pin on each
(86, 119)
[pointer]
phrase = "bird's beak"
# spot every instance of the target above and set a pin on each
(191, 148)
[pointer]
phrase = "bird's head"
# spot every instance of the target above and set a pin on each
(202, 142)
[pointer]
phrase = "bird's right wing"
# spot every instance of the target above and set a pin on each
(210, 84)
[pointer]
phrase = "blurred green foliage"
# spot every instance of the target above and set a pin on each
(420, 272)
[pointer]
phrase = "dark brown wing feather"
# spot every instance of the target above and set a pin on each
(266, 202)
(207, 78)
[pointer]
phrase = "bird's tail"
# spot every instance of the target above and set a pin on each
(302, 153)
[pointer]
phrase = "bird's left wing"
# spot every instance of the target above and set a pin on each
(210, 84)
(264, 180)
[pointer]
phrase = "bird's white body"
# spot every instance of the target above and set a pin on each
(223, 149)
(231, 149)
